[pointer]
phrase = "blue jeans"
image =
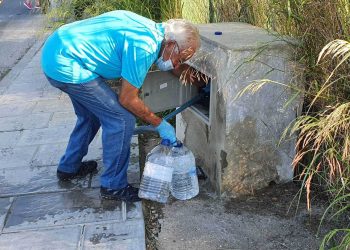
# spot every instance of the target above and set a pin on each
(95, 105)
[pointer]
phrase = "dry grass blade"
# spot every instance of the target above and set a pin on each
(338, 48)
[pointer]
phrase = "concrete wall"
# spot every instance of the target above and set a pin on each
(239, 148)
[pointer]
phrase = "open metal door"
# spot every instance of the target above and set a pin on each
(162, 91)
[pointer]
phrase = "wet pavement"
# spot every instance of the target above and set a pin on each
(36, 210)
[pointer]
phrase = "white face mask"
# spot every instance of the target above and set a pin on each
(165, 65)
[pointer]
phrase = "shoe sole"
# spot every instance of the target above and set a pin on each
(108, 197)
(95, 171)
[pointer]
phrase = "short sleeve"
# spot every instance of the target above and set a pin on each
(136, 62)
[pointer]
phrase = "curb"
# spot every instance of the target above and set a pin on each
(20, 65)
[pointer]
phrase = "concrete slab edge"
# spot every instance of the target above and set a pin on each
(109, 221)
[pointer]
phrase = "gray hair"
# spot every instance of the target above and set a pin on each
(183, 32)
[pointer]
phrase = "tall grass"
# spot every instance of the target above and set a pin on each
(72, 10)
(323, 145)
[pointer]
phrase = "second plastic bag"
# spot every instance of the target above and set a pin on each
(184, 183)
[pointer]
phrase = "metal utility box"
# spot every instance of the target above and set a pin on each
(162, 91)
(235, 141)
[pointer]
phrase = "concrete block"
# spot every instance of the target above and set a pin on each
(66, 238)
(30, 180)
(238, 145)
(5, 204)
(18, 157)
(67, 208)
(16, 108)
(9, 139)
(44, 136)
(126, 235)
(24, 122)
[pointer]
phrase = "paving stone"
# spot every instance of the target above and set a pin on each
(63, 118)
(127, 235)
(28, 86)
(128, 244)
(33, 68)
(66, 238)
(133, 177)
(95, 148)
(24, 122)
(48, 155)
(67, 208)
(17, 157)
(34, 180)
(58, 134)
(16, 108)
(23, 97)
(52, 93)
(5, 204)
(133, 210)
(2, 89)
(94, 153)
(64, 105)
(64, 97)
(9, 139)
(37, 78)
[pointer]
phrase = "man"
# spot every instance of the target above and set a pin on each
(77, 58)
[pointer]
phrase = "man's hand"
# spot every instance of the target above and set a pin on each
(166, 131)
(129, 99)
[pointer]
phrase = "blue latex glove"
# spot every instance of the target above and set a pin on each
(166, 131)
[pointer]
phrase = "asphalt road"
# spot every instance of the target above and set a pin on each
(19, 29)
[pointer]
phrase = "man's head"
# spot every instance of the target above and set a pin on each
(181, 41)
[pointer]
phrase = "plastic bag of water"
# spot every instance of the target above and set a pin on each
(169, 167)
(184, 184)
(158, 172)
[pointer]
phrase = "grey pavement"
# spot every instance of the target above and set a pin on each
(18, 32)
(36, 210)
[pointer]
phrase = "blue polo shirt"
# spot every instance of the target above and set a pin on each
(115, 44)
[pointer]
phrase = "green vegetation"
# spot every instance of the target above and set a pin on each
(323, 129)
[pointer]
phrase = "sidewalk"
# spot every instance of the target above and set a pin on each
(36, 210)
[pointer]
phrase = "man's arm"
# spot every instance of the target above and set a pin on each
(129, 99)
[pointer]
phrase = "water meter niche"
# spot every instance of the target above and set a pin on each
(203, 105)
